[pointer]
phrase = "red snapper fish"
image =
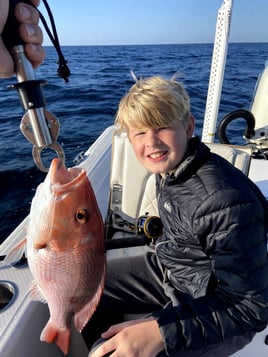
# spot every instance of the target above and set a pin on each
(66, 251)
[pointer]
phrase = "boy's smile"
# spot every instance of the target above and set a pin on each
(157, 155)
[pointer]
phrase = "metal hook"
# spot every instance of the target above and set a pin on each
(41, 128)
(37, 155)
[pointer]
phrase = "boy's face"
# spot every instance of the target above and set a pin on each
(160, 150)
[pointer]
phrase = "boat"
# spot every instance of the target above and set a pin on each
(110, 163)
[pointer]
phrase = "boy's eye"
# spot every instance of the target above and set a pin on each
(139, 133)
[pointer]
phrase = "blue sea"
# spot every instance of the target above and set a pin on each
(100, 76)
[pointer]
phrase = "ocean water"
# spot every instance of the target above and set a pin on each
(87, 104)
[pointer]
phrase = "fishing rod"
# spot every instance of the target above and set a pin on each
(38, 125)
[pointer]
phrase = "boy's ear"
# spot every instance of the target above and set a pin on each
(190, 126)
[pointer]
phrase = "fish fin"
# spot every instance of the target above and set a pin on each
(15, 253)
(36, 293)
(82, 317)
(61, 337)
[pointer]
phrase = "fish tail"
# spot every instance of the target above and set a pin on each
(61, 337)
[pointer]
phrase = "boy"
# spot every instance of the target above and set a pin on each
(205, 287)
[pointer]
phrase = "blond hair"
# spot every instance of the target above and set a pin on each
(153, 102)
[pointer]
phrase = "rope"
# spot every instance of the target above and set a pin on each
(63, 69)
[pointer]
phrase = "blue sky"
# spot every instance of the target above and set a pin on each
(112, 22)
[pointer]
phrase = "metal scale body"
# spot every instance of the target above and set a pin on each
(38, 125)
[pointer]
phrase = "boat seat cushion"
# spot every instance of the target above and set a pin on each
(132, 187)
(131, 182)
(239, 156)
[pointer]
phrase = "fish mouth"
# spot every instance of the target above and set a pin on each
(61, 177)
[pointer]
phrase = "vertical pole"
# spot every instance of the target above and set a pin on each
(217, 70)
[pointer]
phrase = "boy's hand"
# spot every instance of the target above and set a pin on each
(137, 338)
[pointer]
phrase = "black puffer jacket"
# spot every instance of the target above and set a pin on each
(214, 252)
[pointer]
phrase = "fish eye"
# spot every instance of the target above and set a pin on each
(82, 216)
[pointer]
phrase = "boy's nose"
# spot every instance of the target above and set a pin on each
(152, 137)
